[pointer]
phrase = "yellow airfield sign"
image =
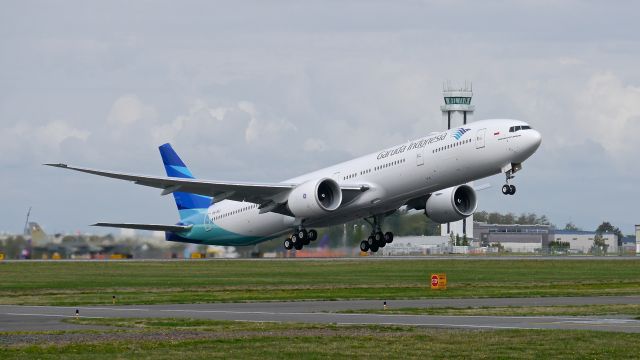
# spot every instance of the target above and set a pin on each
(439, 281)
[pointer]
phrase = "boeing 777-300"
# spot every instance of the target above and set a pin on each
(430, 174)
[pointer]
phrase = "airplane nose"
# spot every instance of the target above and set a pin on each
(536, 139)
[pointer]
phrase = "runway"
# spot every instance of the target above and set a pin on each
(32, 318)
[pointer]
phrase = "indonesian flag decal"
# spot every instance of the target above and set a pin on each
(496, 133)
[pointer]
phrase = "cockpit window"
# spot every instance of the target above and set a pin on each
(518, 128)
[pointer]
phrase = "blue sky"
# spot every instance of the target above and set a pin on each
(254, 90)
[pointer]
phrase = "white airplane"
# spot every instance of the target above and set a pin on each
(428, 174)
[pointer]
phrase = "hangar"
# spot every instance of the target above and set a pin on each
(536, 238)
(580, 242)
(514, 238)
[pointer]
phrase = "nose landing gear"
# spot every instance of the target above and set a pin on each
(506, 188)
(509, 170)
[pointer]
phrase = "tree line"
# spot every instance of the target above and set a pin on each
(510, 218)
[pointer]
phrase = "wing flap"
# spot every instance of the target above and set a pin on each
(150, 227)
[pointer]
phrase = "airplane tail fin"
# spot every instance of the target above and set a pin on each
(188, 204)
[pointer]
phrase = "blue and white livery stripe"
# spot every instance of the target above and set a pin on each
(458, 133)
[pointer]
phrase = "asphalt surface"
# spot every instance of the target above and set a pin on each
(32, 318)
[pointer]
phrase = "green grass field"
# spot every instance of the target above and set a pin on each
(196, 339)
(137, 282)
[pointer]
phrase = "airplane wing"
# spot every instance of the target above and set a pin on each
(267, 194)
(150, 227)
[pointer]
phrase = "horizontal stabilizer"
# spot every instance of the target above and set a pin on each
(150, 227)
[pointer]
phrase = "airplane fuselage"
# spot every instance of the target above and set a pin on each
(393, 176)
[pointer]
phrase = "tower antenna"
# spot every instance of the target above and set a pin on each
(26, 222)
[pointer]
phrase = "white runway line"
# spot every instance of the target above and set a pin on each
(56, 315)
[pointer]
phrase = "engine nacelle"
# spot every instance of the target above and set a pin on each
(314, 198)
(452, 204)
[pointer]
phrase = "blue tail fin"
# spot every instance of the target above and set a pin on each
(188, 204)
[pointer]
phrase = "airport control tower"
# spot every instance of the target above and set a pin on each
(457, 111)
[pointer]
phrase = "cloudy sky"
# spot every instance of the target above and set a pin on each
(257, 90)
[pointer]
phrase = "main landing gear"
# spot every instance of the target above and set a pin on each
(506, 188)
(377, 239)
(300, 238)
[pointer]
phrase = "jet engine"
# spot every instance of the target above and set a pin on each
(452, 204)
(314, 198)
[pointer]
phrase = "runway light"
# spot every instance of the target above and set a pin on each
(384, 306)
(114, 300)
(77, 313)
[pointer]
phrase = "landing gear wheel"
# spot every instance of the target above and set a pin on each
(506, 189)
(298, 246)
(364, 246)
(295, 240)
(374, 248)
(388, 237)
(371, 241)
(379, 236)
(302, 234)
(512, 189)
(312, 235)
(288, 244)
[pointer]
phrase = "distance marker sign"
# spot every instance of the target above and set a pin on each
(438, 281)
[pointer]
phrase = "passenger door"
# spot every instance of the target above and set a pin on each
(480, 138)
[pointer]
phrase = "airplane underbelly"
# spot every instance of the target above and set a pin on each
(258, 225)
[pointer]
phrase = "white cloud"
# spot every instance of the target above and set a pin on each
(263, 131)
(314, 145)
(128, 109)
(610, 111)
(24, 142)
(223, 125)
(54, 133)
(566, 60)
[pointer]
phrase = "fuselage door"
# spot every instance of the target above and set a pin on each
(419, 158)
(480, 138)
